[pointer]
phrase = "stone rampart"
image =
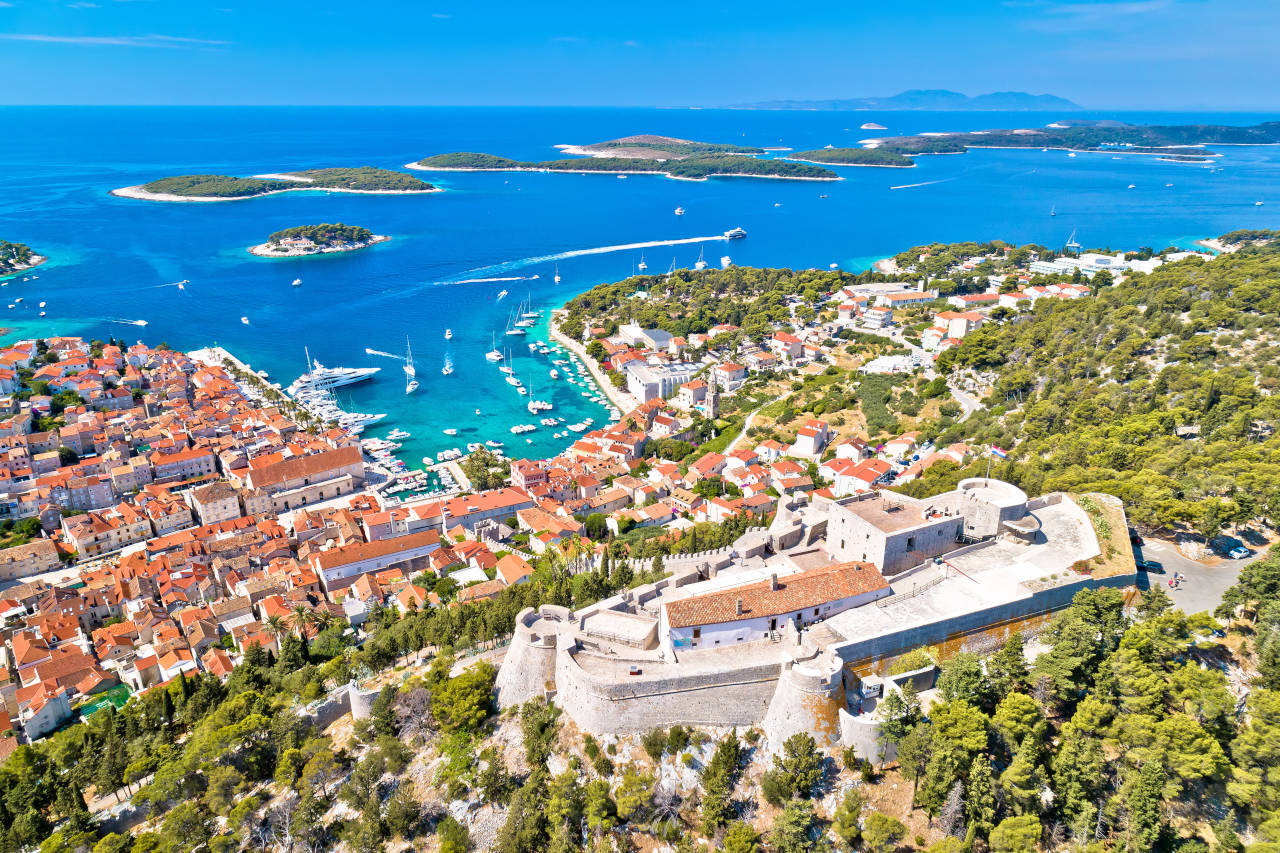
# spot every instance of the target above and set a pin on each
(528, 668)
(808, 698)
(737, 697)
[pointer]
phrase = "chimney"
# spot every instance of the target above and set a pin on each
(739, 608)
(773, 582)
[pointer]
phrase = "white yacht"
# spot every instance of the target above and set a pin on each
(642, 266)
(321, 378)
(735, 233)
(701, 264)
(725, 262)
(411, 386)
(448, 334)
(297, 282)
(679, 211)
(555, 374)
(244, 320)
(493, 354)
(557, 275)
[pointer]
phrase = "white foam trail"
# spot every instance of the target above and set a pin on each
(923, 184)
(599, 250)
(486, 280)
(127, 322)
(383, 354)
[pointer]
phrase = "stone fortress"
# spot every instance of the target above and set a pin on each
(789, 628)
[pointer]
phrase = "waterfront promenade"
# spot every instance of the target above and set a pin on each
(623, 401)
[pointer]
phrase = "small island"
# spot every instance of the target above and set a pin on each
(17, 257)
(681, 159)
(855, 157)
(1175, 143)
(362, 179)
(316, 240)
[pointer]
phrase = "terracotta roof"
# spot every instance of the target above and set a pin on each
(794, 593)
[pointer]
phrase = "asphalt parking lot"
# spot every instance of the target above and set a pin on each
(1204, 582)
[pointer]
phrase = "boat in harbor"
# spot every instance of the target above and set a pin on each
(494, 354)
(410, 371)
(642, 266)
(556, 279)
(448, 334)
(244, 320)
(679, 211)
(297, 282)
(725, 262)
(502, 294)
(398, 434)
(735, 233)
(701, 263)
(451, 431)
(554, 374)
(448, 366)
(321, 378)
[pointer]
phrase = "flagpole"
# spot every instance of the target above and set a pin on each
(989, 455)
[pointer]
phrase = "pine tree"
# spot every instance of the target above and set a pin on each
(980, 798)
(844, 823)
(1023, 780)
(1142, 803)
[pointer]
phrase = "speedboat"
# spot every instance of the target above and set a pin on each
(557, 275)
(448, 334)
(448, 366)
(297, 282)
(555, 374)
(679, 211)
(451, 431)
(244, 320)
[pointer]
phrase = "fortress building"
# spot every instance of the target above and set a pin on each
(781, 629)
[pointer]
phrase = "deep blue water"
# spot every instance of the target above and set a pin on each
(111, 257)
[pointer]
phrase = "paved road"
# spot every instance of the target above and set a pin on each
(967, 401)
(1205, 582)
(746, 425)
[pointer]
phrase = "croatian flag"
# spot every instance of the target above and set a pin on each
(998, 453)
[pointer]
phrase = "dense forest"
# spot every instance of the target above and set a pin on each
(225, 186)
(14, 256)
(854, 157)
(325, 234)
(1160, 391)
(695, 167)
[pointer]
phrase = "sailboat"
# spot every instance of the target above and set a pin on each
(557, 276)
(1053, 211)
(502, 294)
(410, 371)
(701, 264)
(494, 354)
(448, 365)
(642, 266)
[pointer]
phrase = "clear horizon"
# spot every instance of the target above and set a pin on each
(1106, 55)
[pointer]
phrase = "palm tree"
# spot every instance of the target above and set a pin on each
(275, 626)
(301, 617)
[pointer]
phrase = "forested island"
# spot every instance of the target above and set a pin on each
(675, 158)
(1183, 142)
(16, 257)
(316, 240)
(361, 179)
(854, 157)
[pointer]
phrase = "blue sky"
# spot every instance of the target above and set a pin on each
(1138, 54)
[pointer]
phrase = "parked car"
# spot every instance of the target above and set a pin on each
(1239, 553)
(1151, 567)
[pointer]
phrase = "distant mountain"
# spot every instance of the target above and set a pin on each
(926, 99)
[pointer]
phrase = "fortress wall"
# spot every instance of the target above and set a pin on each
(860, 652)
(529, 663)
(735, 698)
(808, 698)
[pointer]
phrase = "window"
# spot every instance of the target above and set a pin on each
(911, 541)
(815, 611)
(697, 633)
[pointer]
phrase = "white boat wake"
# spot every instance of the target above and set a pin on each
(487, 280)
(599, 250)
(126, 322)
(923, 184)
(383, 354)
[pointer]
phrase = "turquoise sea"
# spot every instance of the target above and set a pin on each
(115, 260)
